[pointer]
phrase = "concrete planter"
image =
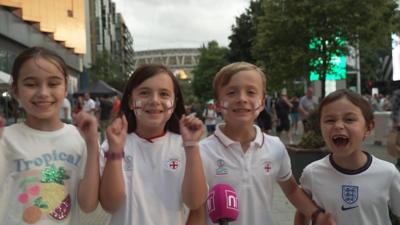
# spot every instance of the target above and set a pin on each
(300, 157)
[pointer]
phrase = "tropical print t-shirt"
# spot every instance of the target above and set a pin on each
(39, 175)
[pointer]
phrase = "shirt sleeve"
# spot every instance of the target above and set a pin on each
(204, 159)
(394, 201)
(305, 181)
(285, 171)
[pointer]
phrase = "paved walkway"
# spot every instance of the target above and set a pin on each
(283, 211)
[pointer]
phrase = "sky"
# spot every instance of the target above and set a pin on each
(159, 24)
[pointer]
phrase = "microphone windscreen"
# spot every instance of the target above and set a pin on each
(222, 203)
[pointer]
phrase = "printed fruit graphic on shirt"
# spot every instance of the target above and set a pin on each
(53, 192)
(62, 211)
(47, 197)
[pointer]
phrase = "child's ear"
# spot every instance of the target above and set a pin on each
(370, 127)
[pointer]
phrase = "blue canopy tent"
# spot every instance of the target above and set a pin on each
(98, 89)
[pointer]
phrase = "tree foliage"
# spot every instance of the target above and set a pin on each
(187, 91)
(108, 69)
(279, 47)
(244, 33)
(286, 28)
(212, 59)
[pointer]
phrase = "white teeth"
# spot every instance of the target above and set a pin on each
(339, 136)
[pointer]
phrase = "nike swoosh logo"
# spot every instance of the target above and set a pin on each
(347, 208)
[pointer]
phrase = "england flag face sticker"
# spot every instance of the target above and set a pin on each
(137, 107)
(258, 108)
(168, 106)
(224, 107)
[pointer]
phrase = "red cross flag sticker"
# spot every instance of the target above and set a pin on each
(267, 166)
(173, 164)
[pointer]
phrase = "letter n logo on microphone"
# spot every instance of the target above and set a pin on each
(232, 201)
(210, 202)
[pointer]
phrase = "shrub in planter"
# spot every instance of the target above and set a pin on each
(310, 148)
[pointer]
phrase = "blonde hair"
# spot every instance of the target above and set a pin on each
(225, 74)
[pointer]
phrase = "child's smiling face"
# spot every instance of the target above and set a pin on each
(343, 127)
(241, 100)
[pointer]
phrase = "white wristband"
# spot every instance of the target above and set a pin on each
(190, 144)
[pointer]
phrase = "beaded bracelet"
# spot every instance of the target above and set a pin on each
(114, 156)
(190, 144)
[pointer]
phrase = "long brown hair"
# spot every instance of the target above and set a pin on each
(141, 74)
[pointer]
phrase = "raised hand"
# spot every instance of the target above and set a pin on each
(191, 128)
(116, 134)
(325, 219)
(87, 126)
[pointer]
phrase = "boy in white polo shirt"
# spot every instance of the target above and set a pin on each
(241, 155)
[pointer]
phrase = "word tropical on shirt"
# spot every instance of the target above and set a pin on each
(46, 159)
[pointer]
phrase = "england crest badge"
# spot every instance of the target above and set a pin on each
(349, 194)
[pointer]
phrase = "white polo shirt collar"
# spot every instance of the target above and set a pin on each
(226, 141)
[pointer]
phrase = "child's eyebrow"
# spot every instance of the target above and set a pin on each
(240, 86)
(148, 88)
(28, 78)
(143, 88)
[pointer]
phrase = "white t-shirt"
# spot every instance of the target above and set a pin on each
(210, 116)
(308, 104)
(251, 174)
(354, 197)
(40, 173)
(66, 105)
(89, 106)
(153, 173)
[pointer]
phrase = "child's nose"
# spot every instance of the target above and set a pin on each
(155, 98)
(242, 97)
(339, 124)
(43, 90)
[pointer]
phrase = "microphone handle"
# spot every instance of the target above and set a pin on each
(223, 221)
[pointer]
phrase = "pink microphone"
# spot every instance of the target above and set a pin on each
(222, 204)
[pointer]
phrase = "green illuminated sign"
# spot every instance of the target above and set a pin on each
(337, 64)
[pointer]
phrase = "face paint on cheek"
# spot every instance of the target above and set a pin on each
(137, 107)
(169, 106)
(258, 108)
(224, 107)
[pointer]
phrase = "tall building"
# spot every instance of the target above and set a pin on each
(57, 25)
(124, 45)
(110, 34)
